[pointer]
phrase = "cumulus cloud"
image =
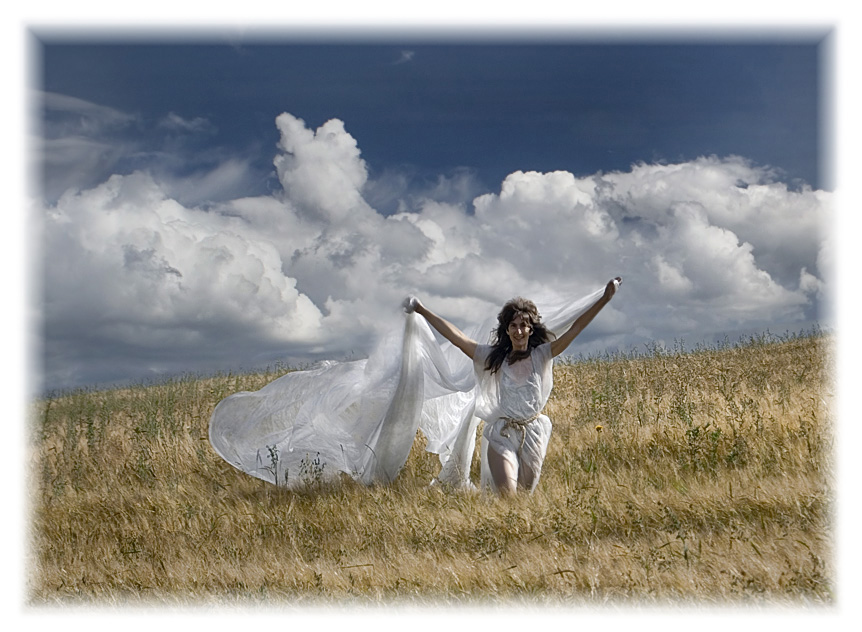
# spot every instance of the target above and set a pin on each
(137, 281)
(321, 172)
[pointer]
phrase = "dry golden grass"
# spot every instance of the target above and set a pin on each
(684, 478)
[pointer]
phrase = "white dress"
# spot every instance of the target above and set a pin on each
(361, 417)
(510, 402)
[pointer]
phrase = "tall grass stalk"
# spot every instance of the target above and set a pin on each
(697, 477)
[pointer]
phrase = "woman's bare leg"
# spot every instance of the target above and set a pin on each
(505, 475)
(526, 476)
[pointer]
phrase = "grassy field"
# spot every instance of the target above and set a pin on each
(672, 477)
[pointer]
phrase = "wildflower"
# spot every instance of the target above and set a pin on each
(599, 428)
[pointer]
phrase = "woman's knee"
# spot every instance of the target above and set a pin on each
(503, 471)
(529, 469)
(527, 477)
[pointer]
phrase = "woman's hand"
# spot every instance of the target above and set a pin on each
(611, 288)
(410, 304)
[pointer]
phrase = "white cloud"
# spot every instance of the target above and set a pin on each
(669, 276)
(81, 117)
(217, 183)
(321, 171)
(783, 226)
(125, 265)
(704, 247)
(406, 56)
(74, 162)
(79, 142)
(83, 143)
(177, 123)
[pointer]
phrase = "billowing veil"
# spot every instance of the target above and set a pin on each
(361, 416)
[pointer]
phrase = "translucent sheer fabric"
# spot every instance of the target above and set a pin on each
(361, 417)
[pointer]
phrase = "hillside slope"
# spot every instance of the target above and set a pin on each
(698, 477)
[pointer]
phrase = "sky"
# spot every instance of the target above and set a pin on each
(225, 201)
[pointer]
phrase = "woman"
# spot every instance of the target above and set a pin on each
(360, 417)
(514, 376)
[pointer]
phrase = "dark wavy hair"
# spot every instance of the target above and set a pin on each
(502, 345)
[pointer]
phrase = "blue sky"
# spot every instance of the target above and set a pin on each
(490, 106)
(225, 202)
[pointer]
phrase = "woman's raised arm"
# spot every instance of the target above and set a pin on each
(560, 344)
(446, 329)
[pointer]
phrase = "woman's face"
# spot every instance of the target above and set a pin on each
(519, 331)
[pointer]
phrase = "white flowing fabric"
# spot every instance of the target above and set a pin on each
(361, 417)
